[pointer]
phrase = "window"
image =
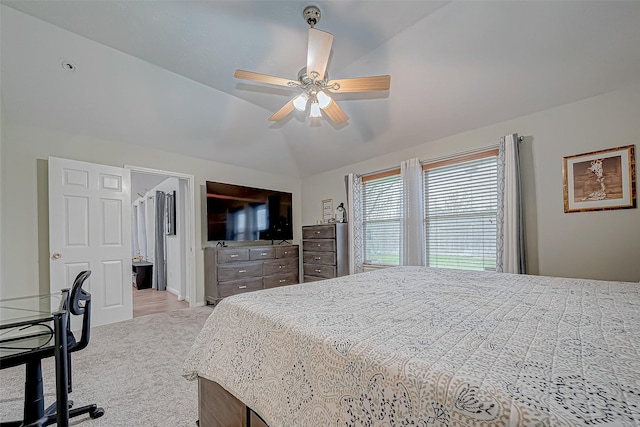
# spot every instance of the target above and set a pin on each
(460, 212)
(460, 208)
(381, 214)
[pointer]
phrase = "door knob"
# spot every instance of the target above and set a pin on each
(57, 255)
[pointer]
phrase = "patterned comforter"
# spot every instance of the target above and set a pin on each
(429, 347)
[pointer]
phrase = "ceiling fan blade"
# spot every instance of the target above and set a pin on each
(262, 78)
(335, 113)
(361, 84)
(283, 112)
(318, 52)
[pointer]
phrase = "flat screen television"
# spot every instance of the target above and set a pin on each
(237, 213)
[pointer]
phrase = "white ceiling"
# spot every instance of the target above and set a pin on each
(160, 73)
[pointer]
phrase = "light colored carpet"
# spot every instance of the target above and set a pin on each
(131, 369)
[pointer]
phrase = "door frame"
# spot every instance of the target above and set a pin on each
(190, 219)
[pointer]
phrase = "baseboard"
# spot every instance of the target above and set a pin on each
(173, 291)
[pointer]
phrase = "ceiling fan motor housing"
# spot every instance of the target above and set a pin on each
(311, 15)
(306, 79)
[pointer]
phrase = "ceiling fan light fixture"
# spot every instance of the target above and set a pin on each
(300, 102)
(313, 80)
(324, 100)
(315, 110)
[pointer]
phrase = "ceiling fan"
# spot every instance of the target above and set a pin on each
(313, 79)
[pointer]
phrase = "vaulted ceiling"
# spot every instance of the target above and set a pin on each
(160, 73)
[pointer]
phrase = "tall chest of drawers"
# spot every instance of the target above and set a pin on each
(234, 270)
(325, 251)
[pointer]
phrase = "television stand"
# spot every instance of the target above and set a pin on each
(237, 269)
(281, 242)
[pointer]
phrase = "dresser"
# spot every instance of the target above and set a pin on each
(325, 251)
(234, 270)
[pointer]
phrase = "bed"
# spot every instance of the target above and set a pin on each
(424, 347)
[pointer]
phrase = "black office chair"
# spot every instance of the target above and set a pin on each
(79, 303)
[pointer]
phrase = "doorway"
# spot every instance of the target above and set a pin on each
(178, 262)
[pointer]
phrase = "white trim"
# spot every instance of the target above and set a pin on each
(174, 292)
(190, 235)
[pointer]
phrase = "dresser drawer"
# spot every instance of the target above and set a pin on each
(239, 271)
(325, 271)
(327, 258)
(287, 251)
(280, 280)
(320, 245)
(234, 287)
(281, 266)
(232, 255)
(319, 232)
(262, 253)
(308, 279)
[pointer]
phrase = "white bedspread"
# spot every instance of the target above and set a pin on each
(422, 347)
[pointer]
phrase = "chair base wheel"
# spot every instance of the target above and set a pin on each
(97, 413)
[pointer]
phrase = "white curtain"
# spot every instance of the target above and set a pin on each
(510, 225)
(412, 241)
(134, 231)
(354, 219)
(159, 264)
(142, 229)
(150, 225)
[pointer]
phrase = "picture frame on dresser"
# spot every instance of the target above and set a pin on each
(327, 210)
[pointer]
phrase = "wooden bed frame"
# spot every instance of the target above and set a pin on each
(219, 408)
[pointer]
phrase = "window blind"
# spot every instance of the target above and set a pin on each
(460, 213)
(382, 211)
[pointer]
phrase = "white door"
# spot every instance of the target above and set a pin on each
(90, 229)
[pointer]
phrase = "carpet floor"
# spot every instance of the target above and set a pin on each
(132, 369)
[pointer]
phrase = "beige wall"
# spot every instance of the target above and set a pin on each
(1, 181)
(600, 245)
(24, 215)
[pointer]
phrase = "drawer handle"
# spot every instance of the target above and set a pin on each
(317, 258)
(317, 232)
(242, 271)
(242, 287)
(263, 253)
(285, 252)
(318, 271)
(233, 256)
(319, 245)
(282, 280)
(280, 266)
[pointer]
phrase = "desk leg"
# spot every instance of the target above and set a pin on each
(62, 397)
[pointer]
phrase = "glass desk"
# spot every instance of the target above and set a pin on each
(29, 328)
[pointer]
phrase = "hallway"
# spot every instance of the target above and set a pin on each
(150, 301)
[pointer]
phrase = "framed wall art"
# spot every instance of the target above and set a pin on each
(600, 180)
